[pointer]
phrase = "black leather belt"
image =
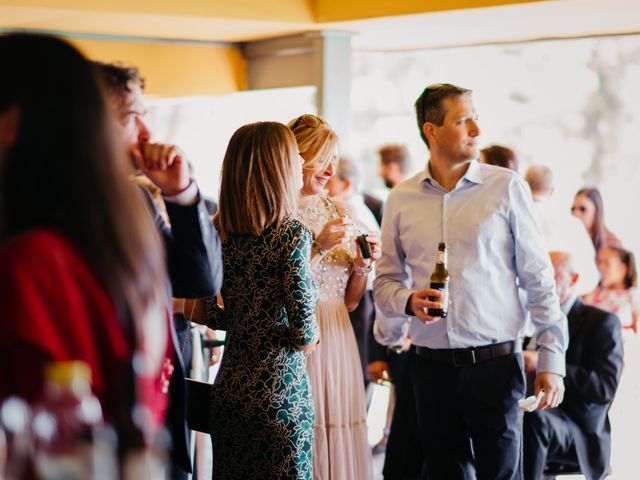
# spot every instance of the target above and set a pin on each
(469, 356)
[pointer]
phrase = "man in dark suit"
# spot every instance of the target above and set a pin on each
(578, 431)
(194, 255)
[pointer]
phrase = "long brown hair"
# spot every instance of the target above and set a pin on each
(68, 171)
(259, 178)
(598, 230)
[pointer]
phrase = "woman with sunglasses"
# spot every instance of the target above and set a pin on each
(589, 208)
(341, 448)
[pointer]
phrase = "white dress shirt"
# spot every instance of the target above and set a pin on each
(565, 233)
(495, 247)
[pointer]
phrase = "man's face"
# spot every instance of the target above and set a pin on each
(336, 186)
(457, 137)
(585, 210)
(391, 174)
(565, 278)
(129, 110)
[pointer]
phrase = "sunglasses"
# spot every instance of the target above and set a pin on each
(311, 121)
(580, 209)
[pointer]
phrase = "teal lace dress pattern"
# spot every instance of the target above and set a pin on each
(262, 412)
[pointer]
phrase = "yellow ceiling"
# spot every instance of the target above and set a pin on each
(209, 20)
(340, 10)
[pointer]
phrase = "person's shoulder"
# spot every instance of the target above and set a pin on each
(40, 253)
(39, 242)
(293, 228)
(371, 200)
(407, 186)
(499, 174)
(599, 317)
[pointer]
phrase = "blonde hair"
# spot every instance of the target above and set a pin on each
(315, 138)
(258, 185)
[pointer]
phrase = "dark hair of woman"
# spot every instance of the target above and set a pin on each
(629, 261)
(67, 171)
(598, 229)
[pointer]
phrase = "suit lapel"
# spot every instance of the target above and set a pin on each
(575, 317)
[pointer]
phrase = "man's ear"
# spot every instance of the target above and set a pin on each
(427, 130)
(9, 125)
(574, 279)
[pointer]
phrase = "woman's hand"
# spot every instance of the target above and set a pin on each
(333, 233)
(309, 348)
(375, 245)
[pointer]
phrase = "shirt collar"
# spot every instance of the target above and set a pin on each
(568, 305)
(473, 173)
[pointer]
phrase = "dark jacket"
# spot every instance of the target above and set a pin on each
(194, 263)
(594, 366)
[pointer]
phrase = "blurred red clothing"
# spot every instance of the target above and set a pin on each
(52, 307)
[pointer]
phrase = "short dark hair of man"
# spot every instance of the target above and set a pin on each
(501, 157)
(395, 153)
(429, 106)
(117, 77)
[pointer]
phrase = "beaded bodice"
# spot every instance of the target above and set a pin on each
(332, 272)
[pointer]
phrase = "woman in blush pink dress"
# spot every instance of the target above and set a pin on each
(341, 449)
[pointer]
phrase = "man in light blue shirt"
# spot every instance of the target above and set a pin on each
(467, 368)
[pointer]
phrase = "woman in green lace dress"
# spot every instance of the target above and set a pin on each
(262, 411)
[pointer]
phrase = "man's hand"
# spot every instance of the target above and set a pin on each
(378, 371)
(165, 165)
(553, 386)
(419, 303)
(530, 361)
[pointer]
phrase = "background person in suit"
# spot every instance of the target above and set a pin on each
(345, 185)
(578, 431)
(194, 255)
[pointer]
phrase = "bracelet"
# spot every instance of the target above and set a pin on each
(362, 271)
(316, 247)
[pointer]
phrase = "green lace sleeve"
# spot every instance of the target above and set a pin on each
(301, 294)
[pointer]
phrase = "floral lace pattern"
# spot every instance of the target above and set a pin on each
(262, 408)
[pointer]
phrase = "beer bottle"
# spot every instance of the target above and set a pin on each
(440, 281)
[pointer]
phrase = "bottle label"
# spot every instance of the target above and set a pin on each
(441, 257)
(444, 289)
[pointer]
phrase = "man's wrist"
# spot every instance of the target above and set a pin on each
(172, 192)
(186, 196)
(551, 362)
(408, 309)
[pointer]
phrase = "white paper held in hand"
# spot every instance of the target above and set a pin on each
(529, 404)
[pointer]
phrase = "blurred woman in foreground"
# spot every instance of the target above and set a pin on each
(80, 276)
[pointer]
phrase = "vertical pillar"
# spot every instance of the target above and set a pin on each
(332, 77)
(321, 59)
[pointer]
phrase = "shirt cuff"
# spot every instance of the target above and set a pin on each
(550, 362)
(189, 196)
(401, 302)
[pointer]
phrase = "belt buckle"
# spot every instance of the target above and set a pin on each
(460, 363)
